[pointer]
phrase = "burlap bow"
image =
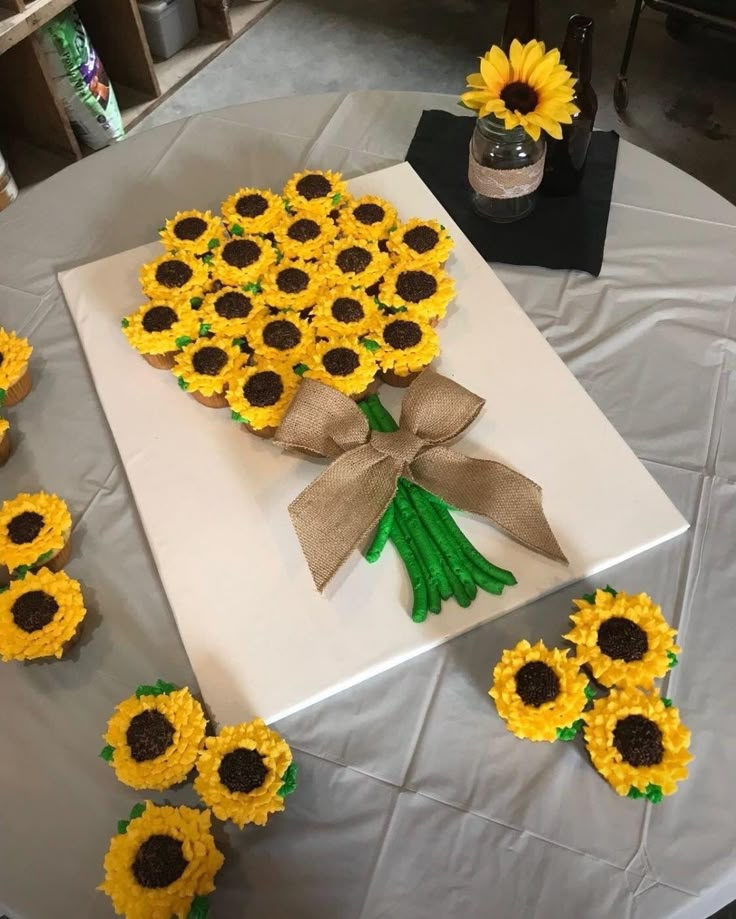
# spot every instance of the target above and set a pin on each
(334, 514)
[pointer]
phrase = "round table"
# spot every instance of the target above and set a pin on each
(413, 799)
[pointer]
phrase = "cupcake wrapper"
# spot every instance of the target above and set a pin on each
(161, 361)
(216, 400)
(396, 379)
(5, 448)
(266, 433)
(61, 559)
(18, 391)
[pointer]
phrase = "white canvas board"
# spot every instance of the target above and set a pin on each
(213, 498)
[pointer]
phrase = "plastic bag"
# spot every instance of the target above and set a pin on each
(80, 81)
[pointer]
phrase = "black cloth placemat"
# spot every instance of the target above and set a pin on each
(567, 232)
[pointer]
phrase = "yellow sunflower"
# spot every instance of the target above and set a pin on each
(160, 328)
(252, 210)
(197, 232)
(529, 88)
(315, 190)
(228, 310)
(242, 261)
(407, 344)
(344, 363)
(15, 352)
(244, 773)
(354, 261)
(345, 310)
(420, 242)
(259, 396)
(293, 284)
(304, 236)
(539, 692)
(40, 615)
(425, 291)
(154, 736)
(162, 863)
(624, 639)
(279, 336)
(638, 743)
(174, 276)
(368, 217)
(203, 367)
(34, 529)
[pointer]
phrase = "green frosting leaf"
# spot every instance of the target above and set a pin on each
(666, 702)
(183, 384)
(236, 229)
(654, 793)
(289, 780)
(589, 598)
(635, 793)
(336, 198)
(123, 826)
(300, 369)
(252, 288)
(107, 753)
(182, 341)
(3, 589)
(570, 732)
(609, 590)
(213, 243)
(204, 328)
(238, 342)
(195, 302)
(124, 323)
(672, 658)
(20, 572)
(160, 688)
(370, 345)
(42, 559)
(207, 258)
(137, 810)
(200, 908)
(236, 416)
(590, 692)
(3, 394)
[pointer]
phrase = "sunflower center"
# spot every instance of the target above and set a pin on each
(402, 334)
(519, 97)
(159, 861)
(159, 319)
(369, 213)
(242, 770)
(173, 273)
(190, 228)
(149, 734)
(303, 230)
(622, 639)
(415, 286)
(340, 362)
(251, 205)
(34, 610)
(353, 259)
(421, 239)
(241, 252)
(281, 334)
(314, 186)
(292, 280)
(233, 305)
(345, 309)
(537, 683)
(639, 741)
(25, 527)
(209, 361)
(263, 389)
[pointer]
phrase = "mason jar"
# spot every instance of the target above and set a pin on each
(505, 170)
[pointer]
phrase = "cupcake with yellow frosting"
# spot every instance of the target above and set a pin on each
(15, 373)
(228, 311)
(293, 284)
(251, 211)
(358, 262)
(346, 310)
(197, 232)
(315, 191)
(304, 236)
(408, 344)
(35, 530)
(204, 367)
(242, 261)
(344, 363)
(41, 616)
(259, 395)
(420, 242)
(368, 217)
(425, 291)
(174, 277)
(5, 444)
(158, 331)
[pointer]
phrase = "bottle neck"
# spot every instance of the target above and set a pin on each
(577, 50)
(522, 22)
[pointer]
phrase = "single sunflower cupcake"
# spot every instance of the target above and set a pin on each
(5, 443)
(172, 277)
(304, 236)
(41, 616)
(162, 863)
(260, 395)
(638, 743)
(158, 331)
(15, 374)
(539, 692)
(35, 530)
(242, 261)
(343, 363)
(408, 344)
(204, 366)
(293, 285)
(421, 242)
(315, 191)
(368, 217)
(424, 291)
(197, 232)
(623, 639)
(228, 310)
(346, 310)
(244, 773)
(153, 738)
(280, 336)
(252, 210)
(358, 262)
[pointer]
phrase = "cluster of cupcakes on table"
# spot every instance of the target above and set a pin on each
(15, 381)
(622, 644)
(163, 860)
(309, 283)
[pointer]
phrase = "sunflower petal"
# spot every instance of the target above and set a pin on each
(532, 59)
(493, 79)
(492, 106)
(475, 98)
(516, 56)
(501, 63)
(475, 80)
(550, 125)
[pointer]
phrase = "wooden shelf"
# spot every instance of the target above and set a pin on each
(16, 27)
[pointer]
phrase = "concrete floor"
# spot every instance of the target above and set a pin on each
(683, 103)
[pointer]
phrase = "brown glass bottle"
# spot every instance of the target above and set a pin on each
(522, 22)
(565, 163)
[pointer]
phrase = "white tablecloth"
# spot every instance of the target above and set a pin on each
(414, 801)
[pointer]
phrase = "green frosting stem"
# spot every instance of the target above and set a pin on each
(383, 531)
(413, 569)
